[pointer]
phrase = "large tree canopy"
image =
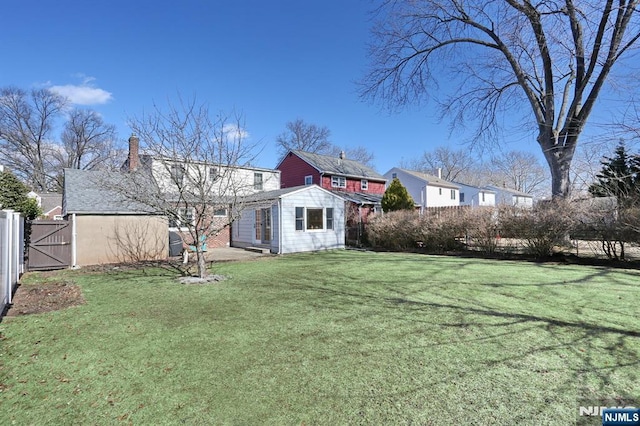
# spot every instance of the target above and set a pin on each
(549, 59)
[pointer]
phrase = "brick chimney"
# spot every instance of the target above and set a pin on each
(134, 152)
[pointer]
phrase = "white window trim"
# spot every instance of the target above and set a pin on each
(308, 180)
(324, 219)
(364, 185)
(226, 212)
(337, 180)
(181, 214)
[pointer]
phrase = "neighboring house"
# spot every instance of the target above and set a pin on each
(356, 183)
(475, 196)
(49, 203)
(288, 220)
(107, 228)
(511, 197)
(225, 180)
(426, 190)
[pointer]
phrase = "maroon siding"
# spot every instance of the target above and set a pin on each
(353, 185)
(293, 170)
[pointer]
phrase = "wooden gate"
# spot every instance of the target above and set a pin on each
(49, 245)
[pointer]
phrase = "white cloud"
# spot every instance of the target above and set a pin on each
(84, 93)
(235, 132)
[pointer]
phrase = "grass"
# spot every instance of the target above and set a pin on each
(330, 338)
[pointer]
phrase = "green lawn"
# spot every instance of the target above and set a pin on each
(331, 338)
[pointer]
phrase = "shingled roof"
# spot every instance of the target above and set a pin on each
(91, 192)
(338, 166)
(431, 179)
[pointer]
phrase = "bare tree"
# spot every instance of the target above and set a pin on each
(453, 165)
(87, 139)
(360, 154)
(553, 56)
(315, 139)
(26, 123)
(191, 170)
(88, 143)
(518, 170)
(304, 137)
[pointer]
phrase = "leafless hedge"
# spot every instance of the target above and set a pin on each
(540, 231)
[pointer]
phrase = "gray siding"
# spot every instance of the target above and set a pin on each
(285, 238)
(298, 241)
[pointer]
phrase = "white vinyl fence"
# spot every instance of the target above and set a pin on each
(11, 254)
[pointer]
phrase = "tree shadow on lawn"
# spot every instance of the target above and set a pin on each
(596, 351)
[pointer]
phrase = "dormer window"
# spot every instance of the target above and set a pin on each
(338, 182)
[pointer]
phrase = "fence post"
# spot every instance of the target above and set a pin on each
(11, 254)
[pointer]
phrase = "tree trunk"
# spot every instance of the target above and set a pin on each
(202, 264)
(559, 156)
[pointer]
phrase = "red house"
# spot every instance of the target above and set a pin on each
(360, 185)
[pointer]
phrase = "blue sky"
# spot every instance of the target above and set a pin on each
(274, 61)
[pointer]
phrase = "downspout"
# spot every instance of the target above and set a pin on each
(74, 246)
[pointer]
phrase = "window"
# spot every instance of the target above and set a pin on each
(177, 173)
(257, 181)
(185, 216)
(394, 175)
(308, 180)
(214, 174)
(220, 212)
(483, 196)
(338, 181)
(329, 218)
(299, 218)
(453, 194)
(364, 184)
(462, 197)
(314, 219)
(439, 191)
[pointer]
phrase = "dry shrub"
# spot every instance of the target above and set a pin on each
(600, 219)
(434, 231)
(481, 229)
(394, 230)
(540, 228)
(442, 230)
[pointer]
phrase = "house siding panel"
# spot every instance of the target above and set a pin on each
(423, 193)
(290, 240)
(113, 239)
(293, 171)
(354, 185)
(298, 241)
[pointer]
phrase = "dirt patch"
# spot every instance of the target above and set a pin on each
(47, 297)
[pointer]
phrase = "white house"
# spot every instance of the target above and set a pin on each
(426, 190)
(476, 196)
(302, 218)
(511, 197)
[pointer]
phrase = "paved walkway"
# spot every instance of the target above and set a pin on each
(231, 253)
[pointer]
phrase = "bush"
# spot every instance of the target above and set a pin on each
(395, 230)
(434, 231)
(481, 229)
(541, 228)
